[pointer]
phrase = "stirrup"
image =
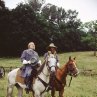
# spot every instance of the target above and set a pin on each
(48, 88)
(27, 91)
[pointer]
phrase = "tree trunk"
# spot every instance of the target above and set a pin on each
(95, 53)
(95, 44)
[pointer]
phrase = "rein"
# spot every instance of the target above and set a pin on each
(43, 82)
(45, 74)
(70, 81)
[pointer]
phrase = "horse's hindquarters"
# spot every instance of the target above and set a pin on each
(11, 81)
(12, 76)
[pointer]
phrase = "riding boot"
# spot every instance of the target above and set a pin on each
(28, 82)
(28, 87)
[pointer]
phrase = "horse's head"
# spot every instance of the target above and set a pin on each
(51, 63)
(72, 69)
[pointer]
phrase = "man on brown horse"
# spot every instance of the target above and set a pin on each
(30, 61)
(52, 50)
(70, 68)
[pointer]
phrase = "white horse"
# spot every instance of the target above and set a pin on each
(40, 84)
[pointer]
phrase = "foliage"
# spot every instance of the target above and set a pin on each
(90, 38)
(36, 4)
(41, 24)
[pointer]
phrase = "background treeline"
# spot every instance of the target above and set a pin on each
(43, 24)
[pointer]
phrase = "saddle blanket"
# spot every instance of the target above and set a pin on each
(19, 78)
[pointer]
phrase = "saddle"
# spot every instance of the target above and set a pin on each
(21, 79)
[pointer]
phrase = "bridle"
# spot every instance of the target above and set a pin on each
(71, 69)
(51, 65)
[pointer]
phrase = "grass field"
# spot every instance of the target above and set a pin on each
(81, 86)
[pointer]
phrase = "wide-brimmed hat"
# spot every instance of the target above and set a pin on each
(51, 45)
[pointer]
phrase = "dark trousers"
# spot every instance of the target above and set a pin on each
(29, 78)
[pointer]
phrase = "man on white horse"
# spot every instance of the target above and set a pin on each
(52, 50)
(40, 83)
(31, 62)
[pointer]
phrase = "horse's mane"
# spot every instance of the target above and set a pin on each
(41, 67)
(64, 66)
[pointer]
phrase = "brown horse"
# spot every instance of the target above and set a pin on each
(59, 81)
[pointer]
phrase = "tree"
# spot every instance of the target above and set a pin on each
(92, 30)
(27, 23)
(36, 4)
(5, 25)
(2, 4)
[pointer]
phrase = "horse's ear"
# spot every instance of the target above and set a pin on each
(69, 57)
(74, 58)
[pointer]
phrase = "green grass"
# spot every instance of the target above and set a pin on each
(81, 86)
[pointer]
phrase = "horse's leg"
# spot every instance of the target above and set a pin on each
(53, 93)
(37, 94)
(9, 90)
(32, 94)
(61, 93)
(43, 95)
(20, 91)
